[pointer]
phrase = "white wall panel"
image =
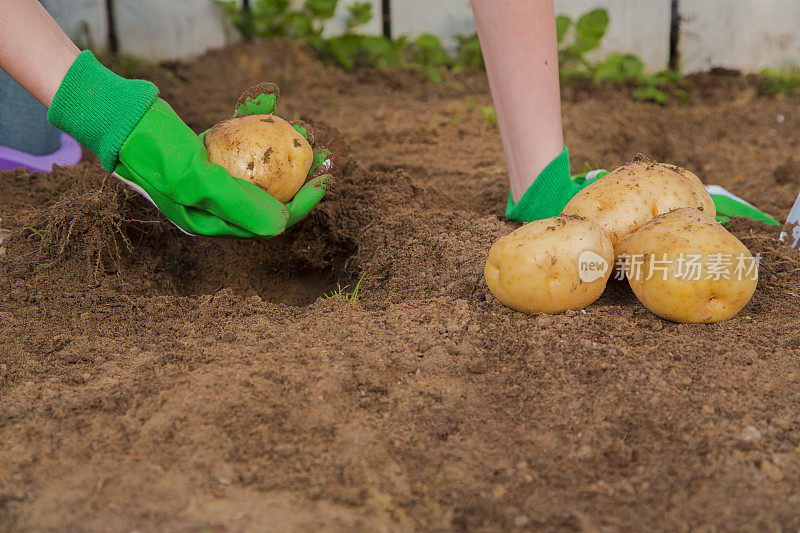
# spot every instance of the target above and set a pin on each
(159, 30)
(444, 18)
(740, 34)
(639, 27)
(84, 21)
(162, 30)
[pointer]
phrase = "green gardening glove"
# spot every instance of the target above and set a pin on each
(141, 139)
(550, 192)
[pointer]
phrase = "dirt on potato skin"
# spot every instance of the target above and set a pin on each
(201, 383)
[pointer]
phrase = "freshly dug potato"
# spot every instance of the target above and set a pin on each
(685, 267)
(626, 198)
(550, 265)
(263, 149)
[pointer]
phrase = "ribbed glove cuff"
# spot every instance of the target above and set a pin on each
(548, 195)
(99, 108)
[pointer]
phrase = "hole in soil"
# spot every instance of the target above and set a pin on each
(282, 271)
(298, 288)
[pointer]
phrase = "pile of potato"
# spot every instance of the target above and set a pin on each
(655, 221)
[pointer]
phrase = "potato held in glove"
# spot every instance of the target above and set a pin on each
(550, 265)
(685, 267)
(263, 149)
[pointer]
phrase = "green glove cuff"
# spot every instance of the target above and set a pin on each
(99, 108)
(548, 195)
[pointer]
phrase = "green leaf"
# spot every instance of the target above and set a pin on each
(358, 14)
(488, 114)
(321, 9)
(350, 50)
(469, 51)
(298, 26)
(431, 72)
(666, 78)
(427, 49)
(563, 23)
(780, 80)
(650, 93)
(229, 7)
(592, 25)
(242, 20)
(582, 46)
(619, 68)
(344, 49)
(388, 54)
(489, 118)
(380, 52)
(270, 10)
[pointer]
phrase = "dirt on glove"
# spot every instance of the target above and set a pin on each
(156, 382)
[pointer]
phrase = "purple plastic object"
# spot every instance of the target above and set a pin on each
(67, 155)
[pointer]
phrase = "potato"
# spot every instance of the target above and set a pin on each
(685, 267)
(550, 265)
(626, 198)
(263, 149)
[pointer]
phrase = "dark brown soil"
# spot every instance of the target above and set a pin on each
(154, 382)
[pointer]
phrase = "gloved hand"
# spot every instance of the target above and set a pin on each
(551, 191)
(141, 139)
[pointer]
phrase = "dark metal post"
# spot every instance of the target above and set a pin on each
(386, 18)
(113, 42)
(674, 37)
